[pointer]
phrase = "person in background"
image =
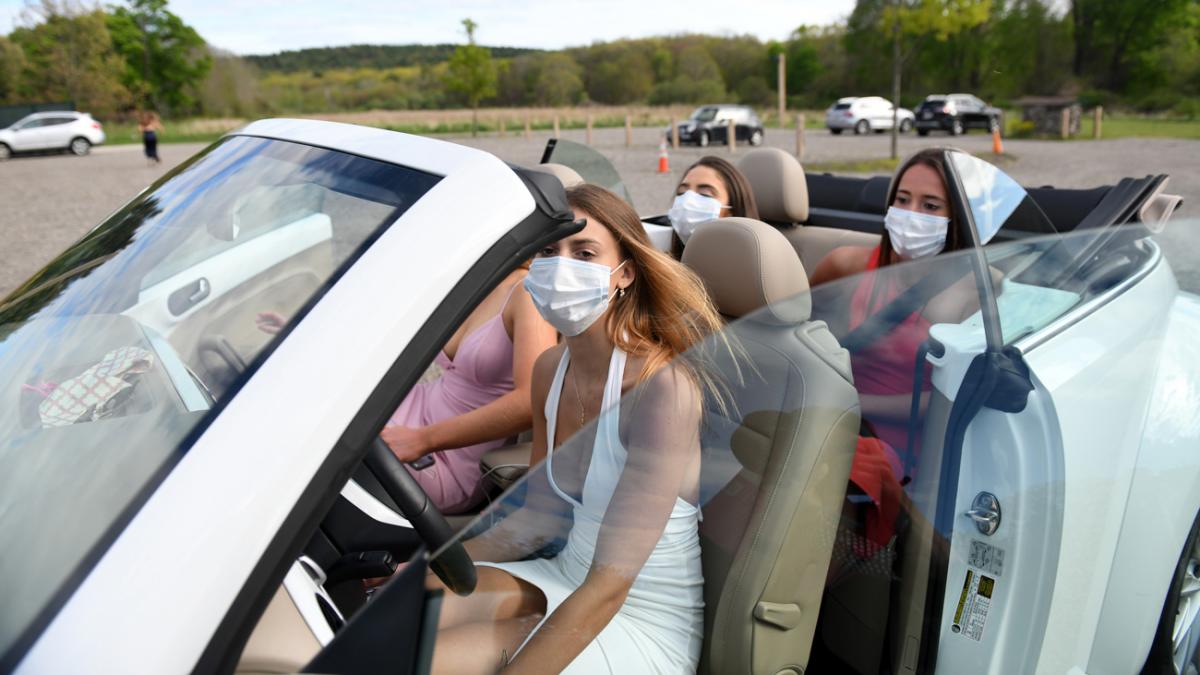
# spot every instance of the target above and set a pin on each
(919, 224)
(480, 399)
(150, 126)
(711, 188)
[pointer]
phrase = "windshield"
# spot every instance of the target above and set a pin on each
(112, 356)
(704, 114)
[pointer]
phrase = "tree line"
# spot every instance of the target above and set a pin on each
(1143, 55)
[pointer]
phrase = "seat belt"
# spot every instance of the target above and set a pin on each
(885, 320)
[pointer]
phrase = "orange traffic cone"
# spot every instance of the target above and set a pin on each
(664, 163)
(997, 146)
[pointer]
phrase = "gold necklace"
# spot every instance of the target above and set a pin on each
(578, 398)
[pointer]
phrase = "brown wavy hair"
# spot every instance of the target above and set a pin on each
(666, 310)
(933, 158)
(741, 196)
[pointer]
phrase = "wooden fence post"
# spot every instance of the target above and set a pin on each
(674, 133)
(1066, 123)
(800, 137)
(589, 128)
(528, 126)
(1097, 121)
(628, 130)
(731, 135)
(556, 130)
(503, 127)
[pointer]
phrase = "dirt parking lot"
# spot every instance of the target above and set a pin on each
(47, 202)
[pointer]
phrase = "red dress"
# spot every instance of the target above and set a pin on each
(883, 369)
(886, 367)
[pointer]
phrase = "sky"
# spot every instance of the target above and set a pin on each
(267, 26)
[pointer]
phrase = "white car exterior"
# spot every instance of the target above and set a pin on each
(72, 131)
(1097, 473)
(864, 114)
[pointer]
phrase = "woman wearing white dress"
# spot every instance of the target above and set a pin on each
(625, 594)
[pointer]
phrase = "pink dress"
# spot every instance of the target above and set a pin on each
(480, 373)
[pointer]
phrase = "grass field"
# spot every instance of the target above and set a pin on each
(492, 120)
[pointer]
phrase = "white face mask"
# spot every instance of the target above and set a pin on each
(914, 234)
(689, 210)
(569, 294)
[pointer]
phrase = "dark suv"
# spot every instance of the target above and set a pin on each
(710, 124)
(955, 113)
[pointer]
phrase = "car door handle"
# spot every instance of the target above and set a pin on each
(186, 297)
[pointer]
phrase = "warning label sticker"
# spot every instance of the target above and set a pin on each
(973, 605)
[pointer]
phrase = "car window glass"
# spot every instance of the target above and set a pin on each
(763, 429)
(1030, 295)
(704, 114)
(592, 166)
(106, 380)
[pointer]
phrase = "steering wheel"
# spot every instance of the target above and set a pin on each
(453, 565)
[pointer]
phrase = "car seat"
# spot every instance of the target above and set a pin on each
(779, 187)
(566, 175)
(777, 456)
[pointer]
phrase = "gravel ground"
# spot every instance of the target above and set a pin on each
(38, 220)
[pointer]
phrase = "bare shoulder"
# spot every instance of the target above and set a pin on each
(842, 261)
(544, 367)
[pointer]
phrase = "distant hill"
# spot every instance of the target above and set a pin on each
(365, 56)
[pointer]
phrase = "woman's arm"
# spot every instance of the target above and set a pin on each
(895, 408)
(506, 416)
(842, 261)
(662, 462)
(543, 515)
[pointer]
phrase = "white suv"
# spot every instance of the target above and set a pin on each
(865, 114)
(75, 132)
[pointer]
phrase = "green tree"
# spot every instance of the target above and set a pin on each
(472, 73)
(909, 22)
(559, 80)
(12, 65)
(166, 59)
(1111, 36)
(68, 56)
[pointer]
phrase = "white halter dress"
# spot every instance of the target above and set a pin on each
(660, 627)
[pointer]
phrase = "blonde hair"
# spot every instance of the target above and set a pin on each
(665, 311)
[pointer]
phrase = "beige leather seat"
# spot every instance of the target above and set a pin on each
(777, 463)
(568, 176)
(777, 180)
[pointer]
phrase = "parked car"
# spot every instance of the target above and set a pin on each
(865, 114)
(74, 132)
(710, 124)
(188, 494)
(955, 114)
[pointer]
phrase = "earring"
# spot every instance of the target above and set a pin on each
(620, 292)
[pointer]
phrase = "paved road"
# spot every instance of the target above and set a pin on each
(47, 202)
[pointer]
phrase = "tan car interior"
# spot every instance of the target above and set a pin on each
(768, 533)
(781, 192)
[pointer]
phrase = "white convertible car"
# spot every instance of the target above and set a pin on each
(180, 492)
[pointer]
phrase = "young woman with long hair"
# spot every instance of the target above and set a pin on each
(711, 188)
(626, 593)
(919, 224)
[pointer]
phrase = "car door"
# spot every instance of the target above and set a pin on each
(56, 132)
(28, 135)
(950, 553)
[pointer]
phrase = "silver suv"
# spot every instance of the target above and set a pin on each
(865, 114)
(74, 132)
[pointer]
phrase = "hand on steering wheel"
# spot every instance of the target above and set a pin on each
(452, 564)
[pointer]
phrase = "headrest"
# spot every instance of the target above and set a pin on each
(777, 180)
(565, 174)
(746, 265)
